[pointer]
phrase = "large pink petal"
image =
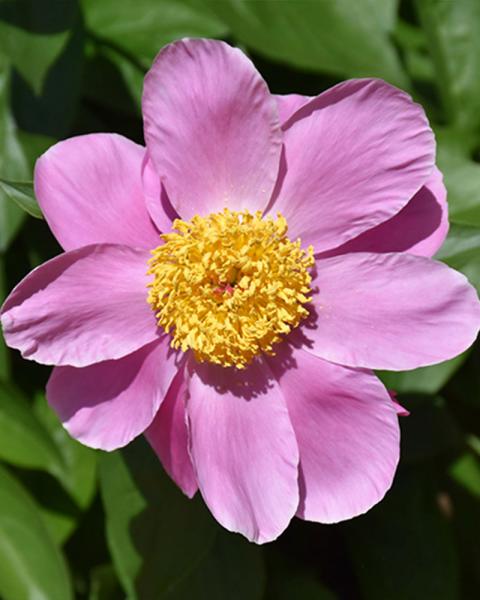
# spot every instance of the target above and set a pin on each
(243, 448)
(168, 436)
(390, 311)
(347, 432)
(156, 199)
(354, 156)
(108, 404)
(211, 128)
(90, 191)
(419, 228)
(288, 104)
(82, 307)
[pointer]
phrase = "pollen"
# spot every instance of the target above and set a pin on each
(228, 286)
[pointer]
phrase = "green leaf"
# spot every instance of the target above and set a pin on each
(403, 548)
(104, 583)
(461, 250)
(13, 164)
(288, 579)
(24, 441)
(232, 568)
(467, 531)
(11, 220)
(452, 34)
(167, 546)
(466, 471)
(30, 564)
(111, 80)
(430, 431)
(474, 443)
(18, 152)
(33, 34)
(464, 389)
(21, 192)
(79, 478)
(417, 60)
(4, 353)
(52, 112)
(60, 524)
(301, 586)
(142, 27)
(155, 534)
(33, 437)
(425, 380)
(462, 175)
(343, 38)
(33, 145)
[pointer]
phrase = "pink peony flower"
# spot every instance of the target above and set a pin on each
(244, 355)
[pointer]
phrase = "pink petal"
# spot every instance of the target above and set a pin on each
(354, 156)
(419, 228)
(347, 432)
(82, 307)
(288, 104)
(390, 311)
(400, 410)
(211, 128)
(108, 404)
(90, 191)
(168, 436)
(156, 199)
(243, 448)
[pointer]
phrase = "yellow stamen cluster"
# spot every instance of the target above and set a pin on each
(229, 285)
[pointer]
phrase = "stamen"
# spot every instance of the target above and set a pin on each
(228, 286)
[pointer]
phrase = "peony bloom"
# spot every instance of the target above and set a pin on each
(228, 289)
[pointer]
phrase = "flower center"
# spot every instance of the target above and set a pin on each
(228, 285)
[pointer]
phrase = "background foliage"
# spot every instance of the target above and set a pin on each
(97, 526)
